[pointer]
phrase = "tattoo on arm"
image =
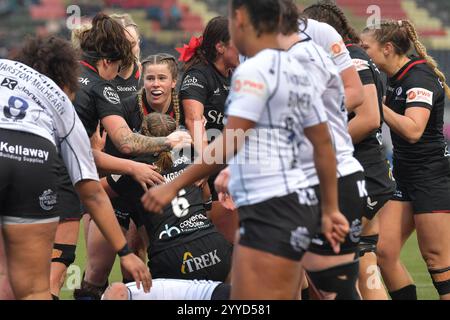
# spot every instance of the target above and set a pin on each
(135, 144)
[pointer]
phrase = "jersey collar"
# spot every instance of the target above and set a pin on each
(408, 66)
(87, 65)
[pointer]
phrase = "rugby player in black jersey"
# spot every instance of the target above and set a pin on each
(209, 62)
(278, 213)
(105, 48)
(182, 233)
(365, 129)
(160, 73)
(414, 110)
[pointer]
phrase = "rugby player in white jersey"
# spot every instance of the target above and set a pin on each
(37, 121)
(325, 268)
(273, 95)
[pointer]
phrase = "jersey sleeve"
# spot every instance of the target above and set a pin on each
(194, 86)
(107, 101)
(248, 95)
(363, 68)
(75, 146)
(421, 90)
(329, 39)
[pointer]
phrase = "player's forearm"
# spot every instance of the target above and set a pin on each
(404, 126)
(198, 134)
(361, 126)
(108, 164)
(131, 143)
(100, 209)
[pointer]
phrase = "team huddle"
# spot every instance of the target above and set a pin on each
(252, 167)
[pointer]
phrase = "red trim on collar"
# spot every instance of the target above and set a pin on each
(84, 63)
(409, 68)
(138, 74)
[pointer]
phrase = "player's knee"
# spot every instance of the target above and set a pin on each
(64, 253)
(432, 259)
(441, 280)
(367, 244)
(386, 254)
(340, 280)
(116, 291)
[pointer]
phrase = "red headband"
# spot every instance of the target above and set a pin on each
(188, 50)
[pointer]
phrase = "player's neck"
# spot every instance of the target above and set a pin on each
(264, 41)
(397, 63)
(287, 41)
(127, 72)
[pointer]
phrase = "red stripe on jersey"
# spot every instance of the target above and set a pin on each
(441, 211)
(84, 63)
(349, 45)
(409, 68)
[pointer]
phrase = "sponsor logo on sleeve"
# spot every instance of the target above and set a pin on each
(419, 95)
(361, 64)
(191, 81)
(111, 95)
(337, 49)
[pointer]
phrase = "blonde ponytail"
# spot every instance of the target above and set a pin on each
(422, 52)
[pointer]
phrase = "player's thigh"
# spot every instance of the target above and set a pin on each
(261, 275)
(396, 225)
(29, 248)
(67, 232)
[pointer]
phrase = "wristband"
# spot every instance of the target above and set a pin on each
(124, 251)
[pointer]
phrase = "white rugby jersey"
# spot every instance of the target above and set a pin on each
(33, 103)
(174, 289)
(330, 40)
(273, 90)
(331, 88)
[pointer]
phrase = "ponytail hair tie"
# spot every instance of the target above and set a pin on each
(400, 23)
(188, 50)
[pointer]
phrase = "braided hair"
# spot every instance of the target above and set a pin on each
(330, 13)
(155, 125)
(401, 34)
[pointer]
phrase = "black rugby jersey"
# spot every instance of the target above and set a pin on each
(205, 84)
(130, 86)
(96, 98)
(416, 85)
(182, 221)
(370, 150)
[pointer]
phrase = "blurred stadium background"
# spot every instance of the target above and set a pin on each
(166, 24)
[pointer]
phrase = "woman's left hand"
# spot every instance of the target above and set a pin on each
(155, 199)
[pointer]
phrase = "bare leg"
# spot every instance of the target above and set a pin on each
(433, 235)
(66, 233)
(6, 292)
(259, 275)
(396, 225)
(28, 250)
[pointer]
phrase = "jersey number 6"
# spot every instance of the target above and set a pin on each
(180, 205)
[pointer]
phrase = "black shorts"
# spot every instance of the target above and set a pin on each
(125, 211)
(426, 196)
(69, 205)
(28, 178)
(282, 226)
(380, 187)
(205, 258)
(351, 203)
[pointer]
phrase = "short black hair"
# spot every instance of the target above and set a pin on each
(264, 14)
(53, 57)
